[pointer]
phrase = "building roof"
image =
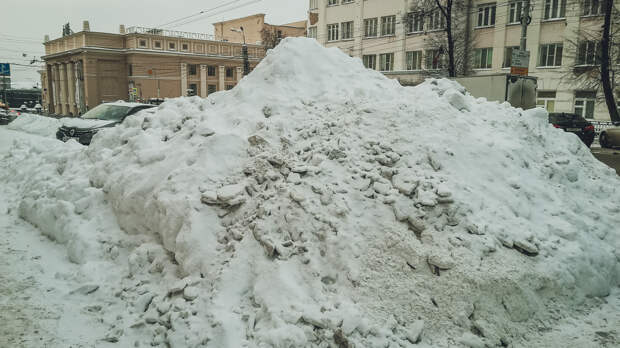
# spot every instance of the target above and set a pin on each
(236, 19)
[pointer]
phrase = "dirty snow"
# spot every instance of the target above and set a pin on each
(321, 204)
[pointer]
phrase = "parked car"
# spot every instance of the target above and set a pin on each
(610, 137)
(103, 116)
(8, 116)
(575, 124)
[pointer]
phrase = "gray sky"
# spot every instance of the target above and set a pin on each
(23, 23)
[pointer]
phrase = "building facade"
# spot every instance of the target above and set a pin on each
(87, 68)
(394, 37)
(256, 30)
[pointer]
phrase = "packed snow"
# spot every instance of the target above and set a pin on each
(320, 204)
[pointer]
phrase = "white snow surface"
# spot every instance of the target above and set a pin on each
(319, 203)
(36, 124)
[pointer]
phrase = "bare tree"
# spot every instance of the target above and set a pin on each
(446, 25)
(605, 62)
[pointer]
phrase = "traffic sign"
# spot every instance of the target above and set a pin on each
(5, 69)
(520, 62)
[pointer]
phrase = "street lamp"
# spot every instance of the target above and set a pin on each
(244, 50)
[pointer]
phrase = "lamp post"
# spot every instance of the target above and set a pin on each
(244, 50)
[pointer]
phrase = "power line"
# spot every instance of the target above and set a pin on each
(215, 14)
(197, 14)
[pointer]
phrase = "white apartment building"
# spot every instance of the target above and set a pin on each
(389, 37)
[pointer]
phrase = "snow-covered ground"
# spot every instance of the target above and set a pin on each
(317, 204)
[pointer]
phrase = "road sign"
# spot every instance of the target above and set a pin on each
(520, 62)
(5, 69)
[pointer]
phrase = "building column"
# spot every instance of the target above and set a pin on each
(184, 79)
(56, 89)
(62, 77)
(239, 73)
(71, 89)
(203, 80)
(221, 86)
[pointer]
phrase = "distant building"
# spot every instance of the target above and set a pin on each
(396, 38)
(257, 31)
(5, 82)
(87, 68)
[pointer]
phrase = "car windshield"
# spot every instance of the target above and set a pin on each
(107, 112)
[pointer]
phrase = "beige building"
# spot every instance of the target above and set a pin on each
(87, 68)
(256, 30)
(389, 37)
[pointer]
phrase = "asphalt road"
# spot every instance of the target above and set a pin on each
(609, 157)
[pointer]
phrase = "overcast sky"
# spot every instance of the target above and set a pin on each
(23, 23)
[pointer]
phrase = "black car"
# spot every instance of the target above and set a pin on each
(573, 123)
(7, 116)
(103, 116)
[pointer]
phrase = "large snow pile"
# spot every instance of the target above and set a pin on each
(35, 124)
(321, 204)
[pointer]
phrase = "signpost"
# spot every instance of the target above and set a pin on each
(520, 62)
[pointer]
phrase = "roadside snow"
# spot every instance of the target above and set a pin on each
(36, 124)
(320, 203)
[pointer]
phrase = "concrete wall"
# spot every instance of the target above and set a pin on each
(252, 25)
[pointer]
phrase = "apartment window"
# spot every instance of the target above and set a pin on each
(142, 43)
(347, 1)
(312, 32)
(386, 62)
(514, 12)
(388, 25)
(589, 53)
(483, 58)
(332, 2)
(508, 56)
(555, 9)
(414, 60)
(230, 73)
(584, 103)
(592, 7)
(185, 47)
(211, 70)
(157, 44)
(433, 60)
(172, 46)
(192, 69)
(314, 4)
(332, 32)
(550, 55)
(193, 89)
(229, 87)
(370, 61)
(436, 20)
(130, 69)
(370, 27)
(347, 30)
(486, 15)
(211, 89)
(546, 99)
(415, 22)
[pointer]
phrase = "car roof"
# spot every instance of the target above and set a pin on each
(122, 103)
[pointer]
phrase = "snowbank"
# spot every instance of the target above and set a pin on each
(319, 202)
(35, 124)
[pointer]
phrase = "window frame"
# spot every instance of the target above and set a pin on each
(415, 23)
(312, 32)
(332, 3)
(555, 55)
(232, 72)
(588, 5)
(515, 8)
(375, 27)
(367, 59)
(507, 62)
(172, 46)
(486, 15)
(436, 21)
(314, 4)
(435, 65)
(211, 68)
(211, 89)
(546, 100)
(483, 54)
(331, 30)
(347, 25)
(413, 60)
(548, 10)
(383, 62)
(140, 45)
(388, 21)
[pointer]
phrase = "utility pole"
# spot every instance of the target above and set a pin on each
(525, 21)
